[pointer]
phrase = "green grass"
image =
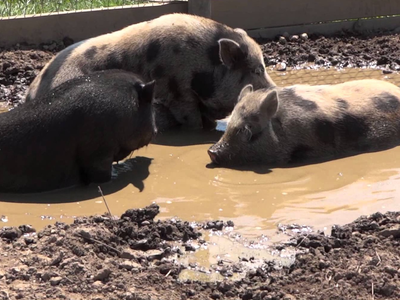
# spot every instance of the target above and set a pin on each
(33, 7)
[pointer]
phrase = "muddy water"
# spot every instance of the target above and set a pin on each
(173, 172)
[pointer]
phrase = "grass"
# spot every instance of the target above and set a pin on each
(10, 8)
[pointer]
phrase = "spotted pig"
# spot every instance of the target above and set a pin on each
(73, 134)
(282, 125)
(200, 66)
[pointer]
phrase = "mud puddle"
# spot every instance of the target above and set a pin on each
(172, 172)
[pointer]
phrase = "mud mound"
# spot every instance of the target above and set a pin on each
(93, 256)
(132, 258)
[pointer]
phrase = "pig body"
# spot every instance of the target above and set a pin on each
(200, 66)
(291, 124)
(73, 134)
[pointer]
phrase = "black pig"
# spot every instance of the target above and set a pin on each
(54, 143)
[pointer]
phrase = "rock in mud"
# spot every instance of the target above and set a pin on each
(10, 233)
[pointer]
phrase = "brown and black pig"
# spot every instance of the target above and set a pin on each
(200, 66)
(74, 133)
(282, 125)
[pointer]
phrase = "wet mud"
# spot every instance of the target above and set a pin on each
(138, 257)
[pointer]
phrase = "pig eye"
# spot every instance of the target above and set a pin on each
(246, 132)
(259, 70)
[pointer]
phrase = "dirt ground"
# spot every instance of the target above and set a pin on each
(20, 65)
(136, 257)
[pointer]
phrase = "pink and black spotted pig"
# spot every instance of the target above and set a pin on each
(282, 125)
(200, 66)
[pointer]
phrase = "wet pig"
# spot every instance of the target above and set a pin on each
(75, 132)
(200, 66)
(293, 124)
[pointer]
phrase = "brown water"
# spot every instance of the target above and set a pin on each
(179, 181)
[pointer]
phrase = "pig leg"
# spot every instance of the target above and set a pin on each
(97, 169)
(122, 154)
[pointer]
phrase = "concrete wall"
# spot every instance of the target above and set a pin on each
(79, 25)
(254, 14)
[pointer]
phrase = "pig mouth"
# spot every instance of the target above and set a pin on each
(222, 158)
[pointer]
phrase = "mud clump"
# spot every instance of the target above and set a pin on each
(133, 257)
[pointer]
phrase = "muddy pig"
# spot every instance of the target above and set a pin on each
(292, 124)
(200, 66)
(73, 134)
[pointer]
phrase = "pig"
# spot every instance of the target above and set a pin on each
(200, 66)
(299, 123)
(74, 133)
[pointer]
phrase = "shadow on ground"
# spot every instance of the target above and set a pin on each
(133, 171)
(184, 137)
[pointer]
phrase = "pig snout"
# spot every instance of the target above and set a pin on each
(215, 152)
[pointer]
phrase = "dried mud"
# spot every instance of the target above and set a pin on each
(137, 257)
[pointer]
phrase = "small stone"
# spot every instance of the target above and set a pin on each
(48, 275)
(52, 46)
(97, 284)
(281, 66)
(294, 38)
(387, 71)
(390, 270)
(282, 40)
(189, 247)
(129, 265)
(128, 254)
(29, 240)
(383, 60)
(304, 36)
(393, 231)
(286, 35)
(26, 228)
(10, 233)
(103, 274)
(311, 57)
(55, 281)
(4, 295)
(230, 223)
(154, 254)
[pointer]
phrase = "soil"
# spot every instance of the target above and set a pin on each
(136, 257)
(20, 64)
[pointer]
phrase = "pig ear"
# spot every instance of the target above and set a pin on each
(240, 31)
(269, 105)
(146, 91)
(245, 91)
(230, 52)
